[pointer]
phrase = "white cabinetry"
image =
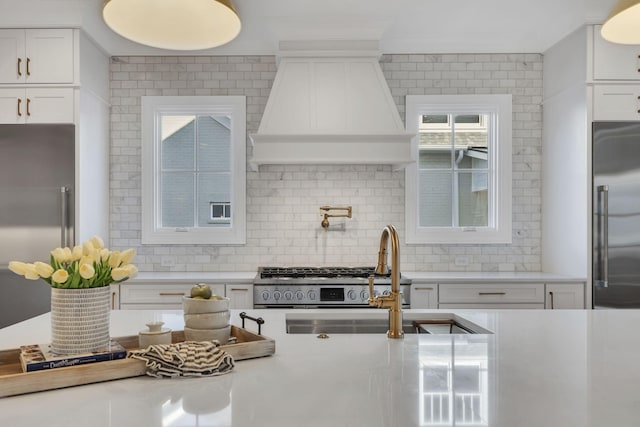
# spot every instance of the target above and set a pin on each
(616, 102)
(516, 295)
(424, 295)
(136, 296)
(240, 296)
(36, 105)
(43, 56)
(613, 61)
(564, 296)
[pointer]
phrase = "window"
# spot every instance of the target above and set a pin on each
(459, 189)
(194, 169)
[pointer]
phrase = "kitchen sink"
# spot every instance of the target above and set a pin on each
(379, 325)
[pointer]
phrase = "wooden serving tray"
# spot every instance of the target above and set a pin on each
(13, 381)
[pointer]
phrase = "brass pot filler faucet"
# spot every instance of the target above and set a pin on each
(327, 215)
(393, 301)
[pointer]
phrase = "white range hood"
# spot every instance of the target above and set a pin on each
(330, 104)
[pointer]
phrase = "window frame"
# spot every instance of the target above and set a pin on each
(499, 229)
(152, 107)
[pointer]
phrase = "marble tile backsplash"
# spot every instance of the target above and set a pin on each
(283, 217)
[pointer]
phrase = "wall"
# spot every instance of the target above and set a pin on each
(283, 220)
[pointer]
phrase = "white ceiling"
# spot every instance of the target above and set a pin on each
(401, 26)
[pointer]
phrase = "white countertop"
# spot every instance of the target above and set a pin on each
(539, 368)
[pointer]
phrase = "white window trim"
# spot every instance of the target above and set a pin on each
(204, 105)
(499, 229)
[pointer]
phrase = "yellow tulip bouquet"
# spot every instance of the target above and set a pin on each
(90, 265)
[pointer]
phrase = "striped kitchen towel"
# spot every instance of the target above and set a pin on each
(185, 359)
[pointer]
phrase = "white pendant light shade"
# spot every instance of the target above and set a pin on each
(174, 24)
(623, 24)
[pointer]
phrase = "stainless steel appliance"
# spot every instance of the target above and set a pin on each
(37, 176)
(616, 214)
(320, 287)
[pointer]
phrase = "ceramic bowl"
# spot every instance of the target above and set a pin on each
(198, 306)
(216, 320)
(220, 334)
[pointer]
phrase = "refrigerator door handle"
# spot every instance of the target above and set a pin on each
(603, 240)
(64, 201)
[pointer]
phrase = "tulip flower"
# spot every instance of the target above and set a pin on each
(44, 270)
(87, 271)
(114, 259)
(30, 272)
(104, 254)
(18, 267)
(87, 248)
(127, 256)
(131, 270)
(97, 242)
(60, 276)
(119, 273)
(58, 255)
(76, 253)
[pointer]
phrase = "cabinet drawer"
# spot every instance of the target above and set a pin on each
(616, 102)
(159, 294)
(485, 293)
(492, 306)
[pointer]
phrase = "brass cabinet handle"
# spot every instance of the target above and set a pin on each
(28, 102)
(171, 294)
(19, 66)
(239, 289)
(19, 103)
(551, 295)
(113, 300)
(424, 289)
(28, 62)
(492, 293)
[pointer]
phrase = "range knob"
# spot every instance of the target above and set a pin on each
(364, 295)
(277, 295)
(299, 295)
(288, 295)
(265, 295)
(386, 292)
(351, 295)
(312, 295)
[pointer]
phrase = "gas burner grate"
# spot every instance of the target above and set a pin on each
(310, 272)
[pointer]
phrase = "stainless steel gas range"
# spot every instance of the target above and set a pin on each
(320, 287)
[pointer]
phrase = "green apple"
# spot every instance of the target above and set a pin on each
(201, 291)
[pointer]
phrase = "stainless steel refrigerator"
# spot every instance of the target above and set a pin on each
(37, 170)
(616, 214)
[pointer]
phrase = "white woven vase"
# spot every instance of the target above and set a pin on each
(79, 320)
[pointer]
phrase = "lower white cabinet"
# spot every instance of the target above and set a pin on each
(616, 102)
(240, 296)
(564, 296)
(424, 295)
(482, 295)
(136, 296)
(148, 296)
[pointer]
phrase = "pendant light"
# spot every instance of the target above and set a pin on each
(173, 24)
(623, 24)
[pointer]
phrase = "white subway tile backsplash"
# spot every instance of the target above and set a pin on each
(283, 217)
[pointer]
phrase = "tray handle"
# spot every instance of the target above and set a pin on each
(259, 321)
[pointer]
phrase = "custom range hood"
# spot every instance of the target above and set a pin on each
(330, 104)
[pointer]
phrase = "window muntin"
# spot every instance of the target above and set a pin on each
(459, 189)
(193, 165)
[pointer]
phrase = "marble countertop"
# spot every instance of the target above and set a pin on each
(538, 368)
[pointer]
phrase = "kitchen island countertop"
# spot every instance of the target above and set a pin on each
(538, 368)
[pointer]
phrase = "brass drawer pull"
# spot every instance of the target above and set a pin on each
(19, 103)
(19, 67)
(551, 295)
(28, 111)
(424, 289)
(492, 293)
(239, 289)
(113, 300)
(171, 294)
(28, 63)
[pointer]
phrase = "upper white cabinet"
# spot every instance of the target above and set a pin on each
(36, 105)
(36, 56)
(613, 61)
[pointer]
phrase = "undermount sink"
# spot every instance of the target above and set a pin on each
(379, 325)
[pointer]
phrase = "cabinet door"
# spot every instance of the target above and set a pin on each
(49, 105)
(241, 296)
(616, 102)
(12, 62)
(49, 56)
(115, 296)
(424, 295)
(483, 293)
(12, 106)
(564, 296)
(612, 61)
